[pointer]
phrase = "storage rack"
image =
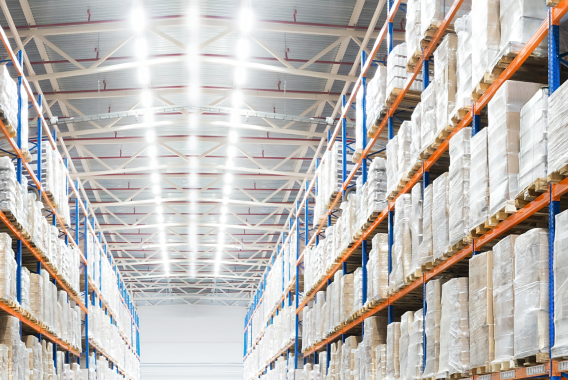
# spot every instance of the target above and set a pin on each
(26, 249)
(550, 199)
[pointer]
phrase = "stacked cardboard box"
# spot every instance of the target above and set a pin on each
(557, 131)
(481, 323)
(479, 180)
(416, 127)
(416, 226)
(393, 356)
(434, 11)
(459, 174)
(428, 117)
(519, 20)
(560, 348)
(406, 322)
(432, 327)
(396, 72)
(377, 269)
(392, 164)
(412, 34)
(445, 81)
(463, 62)
(402, 245)
(440, 216)
(415, 351)
(426, 247)
(486, 29)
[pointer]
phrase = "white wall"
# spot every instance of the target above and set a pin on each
(191, 342)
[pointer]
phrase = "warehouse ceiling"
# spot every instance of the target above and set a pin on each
(192, 202)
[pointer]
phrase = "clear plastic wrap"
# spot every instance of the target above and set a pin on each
(503, 306)
(416, 225)
(533, 156)
(481, 324)
(397, 76)
(434, 11)
(428, 117)
(348, 357)
(503, 136)
(413, 34)
(459, 174)
(557, 129)
(560, 348)
(376, 92)
(445, 81)
(377, 269)
(359, 125)
(454, 332)
(432, 327)
(392, 164)
(393, 357)
(402, 245)
(374, 334)
(415, 351)
(485, 27)
(381, 356)
(357, 290)
(519, 20)
(405, 329)
(463, 62)
(478, 180)
(404, 142)
(416, 127)
(426, 247)
(440, 216)
(531, 293)
(347, 294)
(377, 186)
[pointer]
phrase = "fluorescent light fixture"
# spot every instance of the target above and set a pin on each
(143, 75)
(158, 200)
(159, 209)
(225, 200)
(223, 218)
(160, 218)
(155, 177)
(138, 19)
(237, 98)
(227, 189)
(224, 210)
(240, 75)
(221, 228)
(246, 20)
(242, 48)
(228, 178)
(150, 136)
(233, 137)
(141, 47)
(156, 189)
(146, 98)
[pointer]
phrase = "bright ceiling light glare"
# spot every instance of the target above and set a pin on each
(151, 151)
(141, 48)
(193, 18)
(227, 189)
(159, 209)
(143, 75)
(235, 118)
(225, 201)
(231, 151)
(223, 218)
(193, 120)
(138, 19)
(224, 210)
(242, 49)
(221, 228)
(228, 177)
(155, 177)
(160, 218)
(237, 99)
(146, 98)
(156, 189)
(150, 136)
(162, 238)
(158, 200)
(240, 75)
(233, 137)
(246, 20)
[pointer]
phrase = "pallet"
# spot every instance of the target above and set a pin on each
(11, 129)
(415, 275)
(457, 247)
(459, 376)
(458, 114)
(500, 215)
(558, 175)
(413, 60)
(503, 366)
(531, 192)
(438, 140)
(411, 98)
(371, 131)
(481, 370)
(541, 357)
(426, 267)
(552, 3)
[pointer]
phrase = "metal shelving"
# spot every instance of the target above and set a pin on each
(549, 200)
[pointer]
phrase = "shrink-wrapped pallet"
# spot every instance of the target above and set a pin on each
(432, 327)
(374, 334)
(405, 327)
(9, 98)
(558, 130)
(481, 327)
(519, 20)
(463, 62)
(560, 348)
(393, 356)
(460, 161)
(412, 35)
(425, 252)
(376, 92)
(402, 245)
(416, 226)
(428, 117)
(503, 304)
(377, 186)
(377, 269)
(36, 296)
(7, 269)
(415, 351)
(359, 128)
(25, 289)
(454, 331)
(533, 156)
(357, 290)
(338, 298)
(478, 180)
(531, 293)
(503, 131)
(434, 11)
(347, 294)
(440, 216)
(381, 355)
(445, 81)
(404, 141)
(348, 357)
(486, 29)
(397, 76)
(392, 164)
(416, 145)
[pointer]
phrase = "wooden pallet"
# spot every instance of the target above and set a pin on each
(457, 247)
(426, 267)
(416, 274)
(503, 366)
(531, 192)
(9, 127)
(458, 114)
(371, 131)
(430, 149)
(541, 357)
(558, 175)
(481, 370)
(411, 98)
(459, 376)
(413, 60)
(500, 215)
(552, 3)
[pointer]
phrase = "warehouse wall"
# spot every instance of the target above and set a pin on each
(191, 342)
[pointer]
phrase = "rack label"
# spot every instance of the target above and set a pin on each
(484, 377)
(508, 375)
(563, 366)
(535, 370)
